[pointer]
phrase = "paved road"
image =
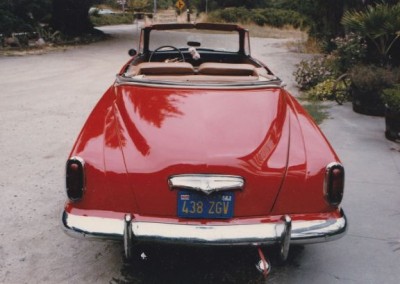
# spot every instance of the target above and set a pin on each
(44, 101)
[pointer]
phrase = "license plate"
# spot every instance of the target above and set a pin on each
(199, 205)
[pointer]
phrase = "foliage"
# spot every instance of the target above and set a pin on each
(269, 16)
(112, 3)
(391, 97)
(371, 78)
(367, 84)
(71, 17)
(11, 23)
(48, 34)
(311, 72)
(165, 4)
(139, 5)
(112, 19)
(317, 111)
(23, 15)
(279, 18)
(259, 19)
(380, 24)
(230, 15)
(323, 16)
(322, 91)
(349, 50)
(200, 5)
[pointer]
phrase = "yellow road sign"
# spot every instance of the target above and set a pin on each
(180, 4)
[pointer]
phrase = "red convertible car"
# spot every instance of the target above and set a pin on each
(197, 142)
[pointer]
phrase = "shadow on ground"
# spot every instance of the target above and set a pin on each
(171, 264)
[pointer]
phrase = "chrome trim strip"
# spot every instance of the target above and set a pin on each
(206, 183)
(120, 81)
(77, 158)
(303, 232)
(93, 227)
(318, 231)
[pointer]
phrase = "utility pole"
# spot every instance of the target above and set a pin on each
(188, 10)
(155, 7)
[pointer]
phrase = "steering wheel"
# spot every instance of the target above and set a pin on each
(167, 46)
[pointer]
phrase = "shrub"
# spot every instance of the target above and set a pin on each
(317, 111)
(269, 16)
(391, 97)
(368, 82)
(311, 72)
(230, 15)
(371, 78)
(322, 91)
(380, 24)
(111, 19)
(349, 50)
(259, 19)
(11, 23)
(279, 18)
(165, 4)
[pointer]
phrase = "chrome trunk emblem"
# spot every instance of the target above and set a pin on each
(206, 183)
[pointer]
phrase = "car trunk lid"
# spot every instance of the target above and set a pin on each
(167, 132)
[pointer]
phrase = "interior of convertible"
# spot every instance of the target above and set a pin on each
(195, 63)
(205, 72)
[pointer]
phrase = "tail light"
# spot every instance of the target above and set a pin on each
(75, 178)
(334, 183)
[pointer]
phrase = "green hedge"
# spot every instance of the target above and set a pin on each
(230, 15)
(10, 23)
(279, 18)
(112, 19)
(269, 16)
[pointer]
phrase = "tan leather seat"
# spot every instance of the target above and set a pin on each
(165, 68)
(227, 69)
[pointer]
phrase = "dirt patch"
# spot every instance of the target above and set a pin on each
(31, 51)
(60, 44)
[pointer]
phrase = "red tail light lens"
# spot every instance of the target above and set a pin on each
(75, 178)
(334, 183)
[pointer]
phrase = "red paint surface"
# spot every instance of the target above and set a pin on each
(136, 137)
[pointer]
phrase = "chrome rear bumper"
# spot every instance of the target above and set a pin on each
(131, 230)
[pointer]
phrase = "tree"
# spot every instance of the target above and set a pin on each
(71, 17)
(379, 24)
(23, 15)
(324, 15)
(220, 4)
(139, 5)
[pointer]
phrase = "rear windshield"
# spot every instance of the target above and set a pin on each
(220, 41)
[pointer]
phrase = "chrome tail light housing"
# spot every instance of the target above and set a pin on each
(334, 183)
(75, 178)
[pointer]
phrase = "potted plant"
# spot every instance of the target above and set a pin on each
(367, 83)
(391, 97)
